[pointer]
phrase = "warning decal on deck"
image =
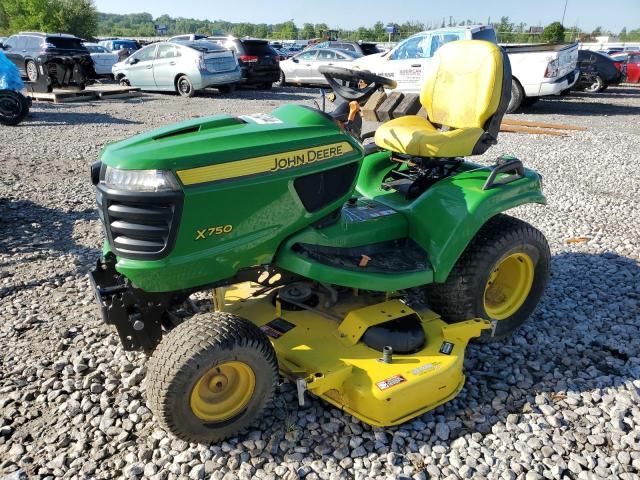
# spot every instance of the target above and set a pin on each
(276, 328)
(391, 382)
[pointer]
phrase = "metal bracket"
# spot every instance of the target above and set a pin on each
(301, 386)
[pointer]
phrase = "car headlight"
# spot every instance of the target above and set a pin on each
(140, 180)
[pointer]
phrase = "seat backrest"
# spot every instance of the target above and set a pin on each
(467, 85)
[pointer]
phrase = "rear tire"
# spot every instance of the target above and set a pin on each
(517, 96)
(487, 281)
(596, 86)
(185, 87)
(32, 71)
(124, 82)
(211, 377)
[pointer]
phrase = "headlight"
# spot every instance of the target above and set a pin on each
(140, 180)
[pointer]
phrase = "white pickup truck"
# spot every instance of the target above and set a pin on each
(537, 70)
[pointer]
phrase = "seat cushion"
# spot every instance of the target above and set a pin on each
(415, 135)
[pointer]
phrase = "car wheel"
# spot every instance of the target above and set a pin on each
(282, 82)
(211, 377)
(185, 87)
(227, 88)
(32, 71)
(500, 276)
(517, 95)
(597, 85)
(124, 82)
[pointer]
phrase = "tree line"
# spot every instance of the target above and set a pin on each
(81, 18)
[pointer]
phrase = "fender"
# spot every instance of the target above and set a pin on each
(445, 218)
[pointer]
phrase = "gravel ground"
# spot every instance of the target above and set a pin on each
(560, 399)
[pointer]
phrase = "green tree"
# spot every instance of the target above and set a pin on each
(504, 30)
(622, 36)
(553, 33)
(78, 17)
(308, 31)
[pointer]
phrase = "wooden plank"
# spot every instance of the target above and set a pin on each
(369, 109)
(119, 93)
(531, 123)
(409, 105)
(532, 131)
(385, 111)
(63, 97)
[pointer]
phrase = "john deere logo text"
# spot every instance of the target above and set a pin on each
(305, 157)
(266, 164)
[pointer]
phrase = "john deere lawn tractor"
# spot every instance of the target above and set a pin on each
(316, 247)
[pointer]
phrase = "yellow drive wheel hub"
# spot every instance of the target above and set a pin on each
(223, 391)
(508, 286)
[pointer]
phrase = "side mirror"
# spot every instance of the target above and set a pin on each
(295, 59)
(133, 61)
(2, 47)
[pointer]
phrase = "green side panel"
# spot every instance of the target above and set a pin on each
(351, 232)
(259, 212)
(446, 217)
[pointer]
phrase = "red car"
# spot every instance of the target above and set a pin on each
(629, 65)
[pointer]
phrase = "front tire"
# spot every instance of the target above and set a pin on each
(282, 81)
(185, 87)
(211, 377)
(500, 276)
(32, 71)
(14, 107)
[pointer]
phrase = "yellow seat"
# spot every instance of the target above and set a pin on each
(467, 92)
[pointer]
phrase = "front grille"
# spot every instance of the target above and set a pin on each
(140, 225)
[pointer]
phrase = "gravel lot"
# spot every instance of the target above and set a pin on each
(560, 399)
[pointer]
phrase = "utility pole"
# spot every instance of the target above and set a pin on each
(565, 11)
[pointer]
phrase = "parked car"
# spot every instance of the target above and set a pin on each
(180, 67)
(597, 71)
(303, 67)
(630, 69)
(259, 62)
(122, 46)
(537, 70)
(187, 38)
(103, 59)
(363, 48)
(60, 59)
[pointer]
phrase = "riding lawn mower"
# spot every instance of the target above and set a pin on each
(314, 244)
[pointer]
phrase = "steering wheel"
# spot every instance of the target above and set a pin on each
(354, 77)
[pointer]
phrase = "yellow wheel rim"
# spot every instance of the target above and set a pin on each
(223, 391)
(508, 286)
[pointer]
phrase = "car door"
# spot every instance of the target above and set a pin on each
(324, 57)
(407, 63)
(633, 68)
(165, 67)
(302, 65)
(140, 68)
(13, 47)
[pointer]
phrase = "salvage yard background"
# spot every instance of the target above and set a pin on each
(558, 399)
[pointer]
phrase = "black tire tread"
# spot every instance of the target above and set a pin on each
(180, 349)
(453, 299)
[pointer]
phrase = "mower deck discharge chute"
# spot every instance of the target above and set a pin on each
(315, 245)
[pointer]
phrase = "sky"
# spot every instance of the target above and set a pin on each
(587, 14)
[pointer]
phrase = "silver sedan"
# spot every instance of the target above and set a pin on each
(184, 68)
(303, 68)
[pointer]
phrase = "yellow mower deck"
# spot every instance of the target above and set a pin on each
(336, 366)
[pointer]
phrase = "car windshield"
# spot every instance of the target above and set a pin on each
(257, 48)
(125, 44)
(205, 46)
(96, 49)
(349, 53)
(65, 42)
